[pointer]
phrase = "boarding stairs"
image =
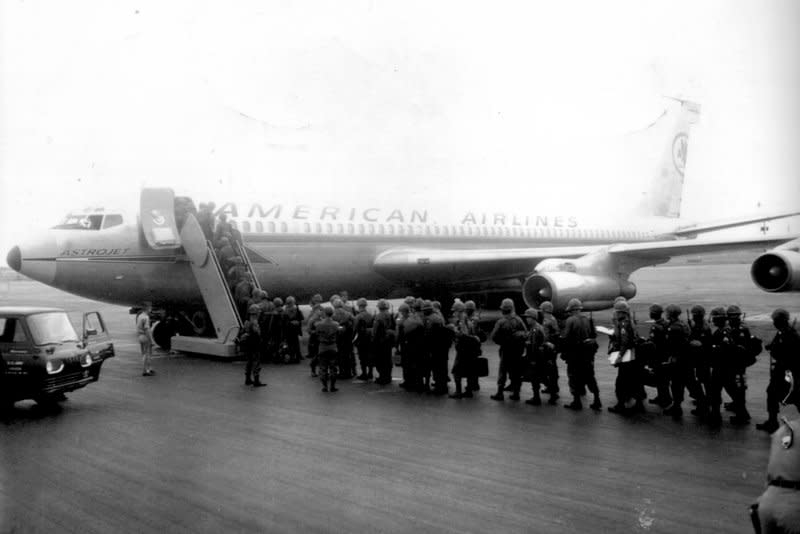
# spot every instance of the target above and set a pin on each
(216, 294)
(241, 251)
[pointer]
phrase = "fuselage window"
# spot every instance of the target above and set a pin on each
(390, 227)
(318, 228)
(328, 228)
(307, 228)
(112, 220)
(271, 227)
(400, 230)
(259, 227)
(350, 229)
(371, 229)
(246, 226)
(446, 230)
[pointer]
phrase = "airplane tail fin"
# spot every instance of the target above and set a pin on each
(664, 194)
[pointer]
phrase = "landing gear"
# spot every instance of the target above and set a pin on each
(162, 334)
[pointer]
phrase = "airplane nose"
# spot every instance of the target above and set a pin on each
(36, 258)
(14, 259)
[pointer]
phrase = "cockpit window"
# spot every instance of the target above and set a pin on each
(81, 222)
(112, 219)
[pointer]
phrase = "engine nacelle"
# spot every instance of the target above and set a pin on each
(777, 271)
(596, 292)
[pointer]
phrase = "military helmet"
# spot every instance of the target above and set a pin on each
(404, 308)
(263, 293)
(334, 297)
(337, 302)
(507, 305)
(656, 309)
(574, 304)
(733, 311)
(620, 299)
(458, 306)
(470, 305)
(328, 311)
(546, 306)
(277, 301)
(779, 314)
(427, 305)
(436, 305)
(698, 310)
(410, 301)
(717, 312)
(316, 299)
(673, 310)
(621, 306)
(361, 303)
(290, 300)
(253, 309)
(383, 305)
(417, 306)
(532, 313)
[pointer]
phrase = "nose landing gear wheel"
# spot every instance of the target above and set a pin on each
(162, 334)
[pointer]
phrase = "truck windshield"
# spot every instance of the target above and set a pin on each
(51, 327)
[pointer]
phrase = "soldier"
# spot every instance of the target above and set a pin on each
(225, 253)
(383, 339)
(236, 271)
(468, 338)
(656, 359)
(680, 363)
(741, 358)
(362, 325)
(509, 334)
(699, 352)
(205, 217)
(579, 347)
(471, 314)
(346, 303)
(275, 331)
(313, 341)
(223, 227)
(552, 337)
(403, 313)
(535, 362)
(328, 331)
(784, 357)
(413, 349)
(628, 388)
(345, 320)
(242, 294)
(292, 329)
(719, 356)
(249, 342)
(439, 338)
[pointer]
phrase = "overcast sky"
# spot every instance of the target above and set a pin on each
(474, 103)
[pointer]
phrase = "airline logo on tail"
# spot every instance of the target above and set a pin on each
(680, 147)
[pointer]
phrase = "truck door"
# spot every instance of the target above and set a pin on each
(157, 217)
(97, 339)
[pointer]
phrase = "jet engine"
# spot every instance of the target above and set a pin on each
(777, 271)
(589, 279)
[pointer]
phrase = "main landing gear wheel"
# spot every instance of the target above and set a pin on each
(162, 334)
(201, 322)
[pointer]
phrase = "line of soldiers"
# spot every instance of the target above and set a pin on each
(676, 356)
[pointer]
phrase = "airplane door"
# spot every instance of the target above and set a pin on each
(157, 216)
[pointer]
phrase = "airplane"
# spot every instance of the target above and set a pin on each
(154, 254)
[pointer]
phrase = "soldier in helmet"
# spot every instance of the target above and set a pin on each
(535, 364)
(383, 339)
(345, 320)
(719, 357)
(656, 360)
(699, 353)
(274, 332)
(315, 316)
(784, 358)
(414, 349)
(292, 329)
(680, 363)
(403, 313)
(579, 347)
(742, 356)
(249, 342)
(362, 325)
(328, 332)
(471, 321)
(510, 334)
(628, 387)
(551, 349)
(439, 340)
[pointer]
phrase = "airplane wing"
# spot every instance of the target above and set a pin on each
(710, 226)
(453, 266)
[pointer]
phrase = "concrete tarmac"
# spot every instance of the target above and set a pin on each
(194, 450)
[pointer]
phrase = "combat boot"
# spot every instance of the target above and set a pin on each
(499, 395)
(247, 381)
(618, 408)
(257, 383)
(769, 426)
(514, 396)
(536, 400)
(596, 404)
(333, 385)
(674, 410)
